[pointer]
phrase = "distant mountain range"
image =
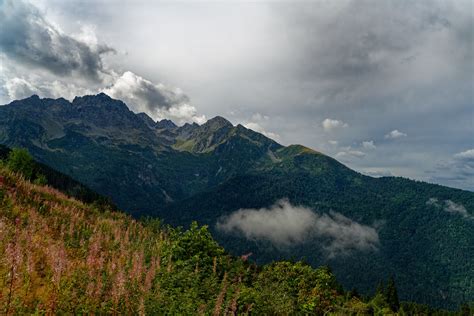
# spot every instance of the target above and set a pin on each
(294, 202)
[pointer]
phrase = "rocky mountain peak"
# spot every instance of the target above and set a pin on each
(100, 100)
(217, 123)
(165, 124)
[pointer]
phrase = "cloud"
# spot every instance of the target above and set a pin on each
(369, 144)
(156, 99)
(144, 95)
(450, 207)
(181, 113)
(457, 170)
(19, 88)
(330, 124)
(377, 172)
(433, 201)
(28, 38)
(348, 152)
(395, 134)
(347, 235)
(467, 155)
(258, 128)
(256, 123)
(285, 225)
(333, 142)
(42, 59)
(282, 224)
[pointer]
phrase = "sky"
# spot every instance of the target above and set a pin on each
(386, 87)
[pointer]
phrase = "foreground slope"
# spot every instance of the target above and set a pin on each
(421, 233)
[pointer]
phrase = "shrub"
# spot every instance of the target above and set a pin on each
(20, 161)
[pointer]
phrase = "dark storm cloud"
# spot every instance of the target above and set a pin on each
(28, 38)
(349, 44)
(395, 71)
(75, 67)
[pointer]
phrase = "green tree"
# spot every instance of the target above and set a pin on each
(465, 310)
(380, 288)
(391, 295)
(19, 160)
(40, 179)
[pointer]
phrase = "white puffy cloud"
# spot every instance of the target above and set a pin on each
(144, 95)
(282, 224)
(19, 88)
(331, 124)
(258, 128)
(156, 99)
(369, 144)
(395, 134)
(467, 155)
(285, 225)
(257, 123)
(180, 114)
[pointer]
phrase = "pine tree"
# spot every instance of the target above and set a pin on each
(380, 288)
(391, 295)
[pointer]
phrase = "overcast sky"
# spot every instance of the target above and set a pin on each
(385, 87)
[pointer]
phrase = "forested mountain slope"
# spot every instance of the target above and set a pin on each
(421, 233)
(61, 256)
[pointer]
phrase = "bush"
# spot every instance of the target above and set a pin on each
(20, 161)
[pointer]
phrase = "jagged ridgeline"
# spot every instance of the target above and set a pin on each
(422, 234)
(61, 256)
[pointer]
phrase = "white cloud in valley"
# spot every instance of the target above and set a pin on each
(286, 225)
(450, 207)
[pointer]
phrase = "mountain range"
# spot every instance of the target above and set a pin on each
(258, 196)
